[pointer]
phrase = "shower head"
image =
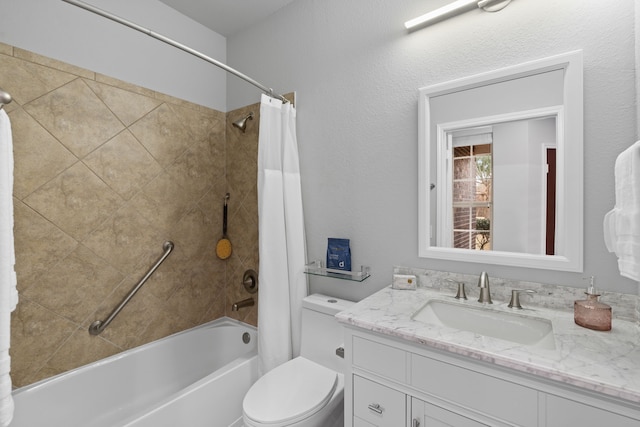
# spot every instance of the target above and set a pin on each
(242, 123)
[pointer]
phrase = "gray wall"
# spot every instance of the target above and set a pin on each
(70, 34)
(356, 72)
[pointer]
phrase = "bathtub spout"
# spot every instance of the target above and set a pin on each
(241, 304)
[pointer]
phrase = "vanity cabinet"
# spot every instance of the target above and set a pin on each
(392, 382)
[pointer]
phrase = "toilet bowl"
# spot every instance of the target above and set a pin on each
(298, 393)
(307, 391)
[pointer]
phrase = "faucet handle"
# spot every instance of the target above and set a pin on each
(461, 294)
(515, 297)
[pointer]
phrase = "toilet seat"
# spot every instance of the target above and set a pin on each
(289, 393)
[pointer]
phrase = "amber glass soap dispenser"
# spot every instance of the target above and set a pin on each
(591, 313)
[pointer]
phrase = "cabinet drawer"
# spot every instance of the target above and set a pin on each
(377, 404)
(564, 412)
(381, 359)
(481, 393)
(359, 422)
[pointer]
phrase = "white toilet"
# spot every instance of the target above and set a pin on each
(307, 391)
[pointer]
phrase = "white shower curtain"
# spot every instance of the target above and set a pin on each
(282, 246)
(8, 292)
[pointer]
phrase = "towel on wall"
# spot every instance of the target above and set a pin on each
(8, 291)
(622, 223)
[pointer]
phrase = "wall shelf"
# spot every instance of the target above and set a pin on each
(316, 268)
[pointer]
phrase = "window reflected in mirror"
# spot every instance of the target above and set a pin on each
(472, 196)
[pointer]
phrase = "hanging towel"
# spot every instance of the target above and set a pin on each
(622, 223)
(8, 291)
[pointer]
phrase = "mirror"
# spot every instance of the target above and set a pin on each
(500, 166)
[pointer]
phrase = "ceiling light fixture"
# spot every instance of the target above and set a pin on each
(453, 9)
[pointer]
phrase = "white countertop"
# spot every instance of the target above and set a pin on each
(604, 362)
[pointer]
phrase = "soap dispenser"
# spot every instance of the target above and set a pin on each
(591, 313)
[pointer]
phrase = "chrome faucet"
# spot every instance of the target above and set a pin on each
(485, 292)
(241, 304)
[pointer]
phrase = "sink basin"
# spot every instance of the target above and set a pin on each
(525, 330)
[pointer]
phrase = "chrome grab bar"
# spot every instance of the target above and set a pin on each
(100, 325)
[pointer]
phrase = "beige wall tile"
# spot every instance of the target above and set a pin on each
(76, 285)
(163, 202)
(125, 240)
(77, 201)
(111, 81)
(162, 134)
(6, 49)
(36, 148)
(124, 164)
(126, 105)
(36, 333)
(26, 81)
(39, 244)
(60, 112)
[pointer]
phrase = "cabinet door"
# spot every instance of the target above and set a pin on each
(424, 414)
(378, 405)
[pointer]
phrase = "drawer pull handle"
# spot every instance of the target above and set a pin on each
(375, 407)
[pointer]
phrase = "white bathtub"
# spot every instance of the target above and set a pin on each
(193, 378)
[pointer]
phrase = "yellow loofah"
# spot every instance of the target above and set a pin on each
(223, 248)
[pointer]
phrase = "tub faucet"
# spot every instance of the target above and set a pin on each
(485, 292)
(241, 304)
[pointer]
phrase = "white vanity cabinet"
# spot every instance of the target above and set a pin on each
(392, 382)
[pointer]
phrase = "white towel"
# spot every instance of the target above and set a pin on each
(8, 291)
(622, 224)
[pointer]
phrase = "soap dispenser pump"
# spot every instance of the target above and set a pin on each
(591, 313)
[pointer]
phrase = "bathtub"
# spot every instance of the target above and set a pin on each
(193, 378)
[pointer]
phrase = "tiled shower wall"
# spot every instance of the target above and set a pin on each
(105, 172)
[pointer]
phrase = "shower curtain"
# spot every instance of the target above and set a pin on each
(8, 291)
(282, 246)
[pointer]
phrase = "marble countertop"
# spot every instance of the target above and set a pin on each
(604, 362)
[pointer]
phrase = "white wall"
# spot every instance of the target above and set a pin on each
(356, 72)
(70, 34)
(511, 205)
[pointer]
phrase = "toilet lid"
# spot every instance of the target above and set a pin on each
(294, 390)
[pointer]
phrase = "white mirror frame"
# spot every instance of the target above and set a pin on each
(570, 157)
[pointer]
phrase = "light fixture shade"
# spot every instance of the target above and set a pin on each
(444, 12)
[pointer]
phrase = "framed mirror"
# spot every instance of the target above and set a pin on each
(500, 166)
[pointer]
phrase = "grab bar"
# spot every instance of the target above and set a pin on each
(100, 325)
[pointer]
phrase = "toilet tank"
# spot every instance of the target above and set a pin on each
(321, 332)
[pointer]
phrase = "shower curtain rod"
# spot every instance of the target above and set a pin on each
(176, 44)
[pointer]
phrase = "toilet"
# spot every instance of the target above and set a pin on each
(307, 391)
